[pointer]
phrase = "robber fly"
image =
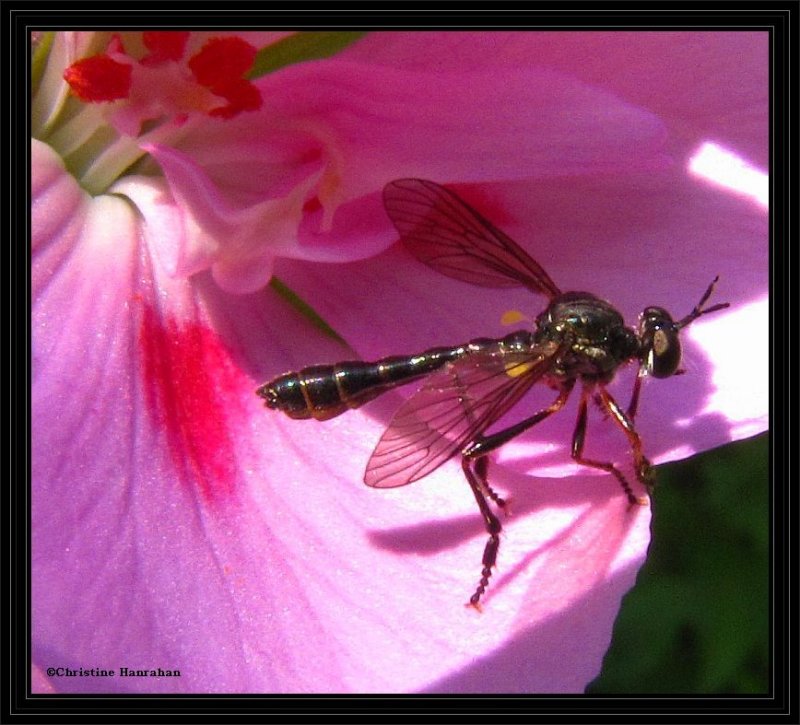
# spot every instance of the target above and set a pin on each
(578, 338)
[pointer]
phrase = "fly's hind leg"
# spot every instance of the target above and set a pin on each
(482, 472)
(476, 471)
(472, 457)
(493, 527)
(481, 469)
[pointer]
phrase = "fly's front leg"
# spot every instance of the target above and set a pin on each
(633, 406)
(644, 470)
(579, 439)
(471, 462)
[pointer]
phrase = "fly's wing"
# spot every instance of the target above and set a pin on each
(456, 404)
(444, 232)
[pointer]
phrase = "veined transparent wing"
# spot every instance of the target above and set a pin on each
(448, 235)
(456, 404)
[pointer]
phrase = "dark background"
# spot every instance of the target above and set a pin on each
(697, 620)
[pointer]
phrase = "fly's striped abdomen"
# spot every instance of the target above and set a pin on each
(325, 391)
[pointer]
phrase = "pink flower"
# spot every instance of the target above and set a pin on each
(178, 525)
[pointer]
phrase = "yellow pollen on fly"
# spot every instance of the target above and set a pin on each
(513, 317)
(514, 370)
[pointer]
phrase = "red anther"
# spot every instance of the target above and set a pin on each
(241, 96)
(164, 46)
(221, 61)
(99, 78)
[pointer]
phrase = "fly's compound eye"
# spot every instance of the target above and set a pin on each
(660, 342)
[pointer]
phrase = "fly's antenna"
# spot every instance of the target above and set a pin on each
(698, 309)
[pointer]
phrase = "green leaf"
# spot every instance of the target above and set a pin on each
(300, 47)
(697, 620)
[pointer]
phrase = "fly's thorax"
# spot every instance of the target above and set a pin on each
(593, 333)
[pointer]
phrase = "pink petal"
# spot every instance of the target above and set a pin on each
(332, 133)
(212, 232)
(477, 126)
(715, 83)
(144, 533)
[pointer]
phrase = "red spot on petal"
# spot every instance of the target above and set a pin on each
(193, 393)
(164, 46)
(99, 78)
(222, 60)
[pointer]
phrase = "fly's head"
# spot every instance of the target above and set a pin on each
(660, 341)
(659, 335)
